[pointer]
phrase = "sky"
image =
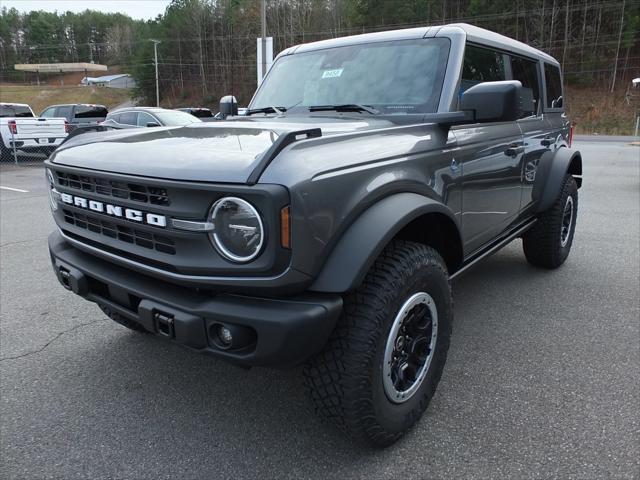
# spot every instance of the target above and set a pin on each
(138, 9)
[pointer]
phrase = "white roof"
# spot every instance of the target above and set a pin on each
(473, 33)
(105, 78)
(59, 67)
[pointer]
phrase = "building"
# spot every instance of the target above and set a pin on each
(122, 80)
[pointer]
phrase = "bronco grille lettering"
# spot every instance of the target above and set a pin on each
(115, 210)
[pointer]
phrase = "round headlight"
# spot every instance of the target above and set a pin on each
(238, 234)
(53, 193)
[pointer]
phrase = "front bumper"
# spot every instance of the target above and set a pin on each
(285, 330)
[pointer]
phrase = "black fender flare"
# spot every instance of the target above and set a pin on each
(555, 166)
(364, 240)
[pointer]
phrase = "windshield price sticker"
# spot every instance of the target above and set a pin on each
(332, 73)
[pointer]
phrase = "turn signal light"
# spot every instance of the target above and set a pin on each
(13, 128)
(66, 126)
(285, 227)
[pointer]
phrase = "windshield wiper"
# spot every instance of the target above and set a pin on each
(347, 107)
(278, 110)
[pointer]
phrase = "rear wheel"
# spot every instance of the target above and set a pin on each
(380, 368)
(548, 243)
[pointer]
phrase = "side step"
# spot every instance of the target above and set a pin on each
(494, 248)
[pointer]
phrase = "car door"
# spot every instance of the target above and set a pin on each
(128, 120)
(490, 155)
(144, 119)
(535, 130)
(554, 112)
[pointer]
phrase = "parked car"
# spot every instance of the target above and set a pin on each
(199, 112)
(77, 114)
(327, 233)
(21, 130)
(137, 117)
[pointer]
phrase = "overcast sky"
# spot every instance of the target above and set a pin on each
(140, 9)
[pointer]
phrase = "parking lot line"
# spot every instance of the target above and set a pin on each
(14, 189)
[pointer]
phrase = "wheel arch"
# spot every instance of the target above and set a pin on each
(406, 216)
(558, 164)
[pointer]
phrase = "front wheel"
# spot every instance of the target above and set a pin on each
(548, 243)
(381, 365)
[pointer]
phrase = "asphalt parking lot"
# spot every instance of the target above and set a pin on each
(542, 379)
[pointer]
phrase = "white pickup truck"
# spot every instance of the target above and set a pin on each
(23, 132)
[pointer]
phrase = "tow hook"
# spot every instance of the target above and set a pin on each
(164, 324)
(65, 278)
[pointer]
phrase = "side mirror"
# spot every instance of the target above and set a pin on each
(505, 101)
(153, 124)
(228, 106)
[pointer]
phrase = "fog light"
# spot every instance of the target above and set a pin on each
(229, 336)
(225, 336)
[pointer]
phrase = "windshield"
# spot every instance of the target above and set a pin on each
(175, 118)
(394, 77)
(15, 111)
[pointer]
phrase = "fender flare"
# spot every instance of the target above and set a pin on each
(364, 240)
(555, 167)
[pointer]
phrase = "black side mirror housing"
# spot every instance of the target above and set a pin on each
(228, 106)
(504, 101)
(153, 124)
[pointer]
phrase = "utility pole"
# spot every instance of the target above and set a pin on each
(155, 53)
(264, 38)
(615, 62)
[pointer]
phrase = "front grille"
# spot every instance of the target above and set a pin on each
(114, 188)
(120, 232)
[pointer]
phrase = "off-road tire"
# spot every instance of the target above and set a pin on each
(542, 243)
(345, 380)
(125, 322)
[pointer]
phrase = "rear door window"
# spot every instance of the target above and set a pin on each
(481, 65)
(526, 71)
(554, 86)
(128, 118)
(91, 111)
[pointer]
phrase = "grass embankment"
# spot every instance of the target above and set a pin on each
(592, 110)
(598, 111)
(40, 97)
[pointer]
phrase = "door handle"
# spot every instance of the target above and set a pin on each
(548, 141)
(514, 150)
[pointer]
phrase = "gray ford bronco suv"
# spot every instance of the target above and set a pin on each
(323, 227)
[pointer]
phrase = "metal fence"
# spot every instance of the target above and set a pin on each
(14, 153)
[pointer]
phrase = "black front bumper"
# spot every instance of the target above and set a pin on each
(285, 330)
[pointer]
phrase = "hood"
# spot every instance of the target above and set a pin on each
(226, 152)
